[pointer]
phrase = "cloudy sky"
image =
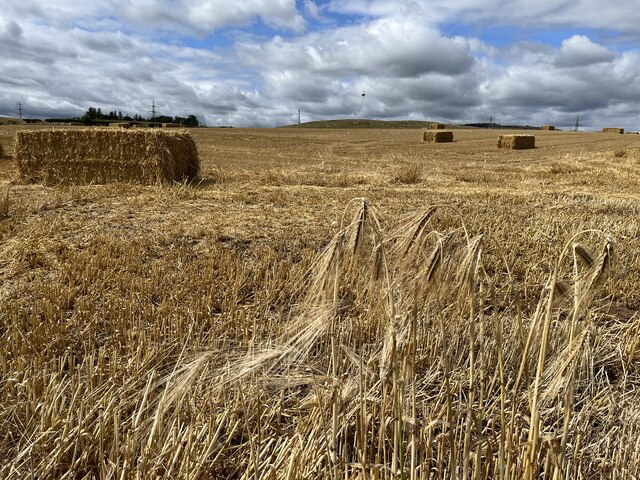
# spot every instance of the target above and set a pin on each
(255, 62)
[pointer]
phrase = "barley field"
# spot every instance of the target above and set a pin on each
(328, 303)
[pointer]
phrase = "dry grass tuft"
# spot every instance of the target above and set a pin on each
(517, 142)
(100, 155)
(408, 174)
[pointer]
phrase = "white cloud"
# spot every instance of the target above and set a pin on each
(580, 51)
(61, 56)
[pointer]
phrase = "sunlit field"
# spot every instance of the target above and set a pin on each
(328, 303)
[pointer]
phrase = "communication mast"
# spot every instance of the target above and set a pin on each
(577, 128)
(20, 110)
(299, 122)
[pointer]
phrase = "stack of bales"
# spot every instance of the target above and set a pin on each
(612, 130)
(103, 155)
(437, 126)
(437, 136)
(548, 127)
(517, 142)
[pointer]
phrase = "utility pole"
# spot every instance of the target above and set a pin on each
(20, 110)
(299, 122)
(577, 124)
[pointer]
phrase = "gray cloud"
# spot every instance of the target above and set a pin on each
(62, 56)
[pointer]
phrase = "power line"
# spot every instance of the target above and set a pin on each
(154, 113)
(20, 110)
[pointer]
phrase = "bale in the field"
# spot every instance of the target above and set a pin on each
(437, 136)
(436, 126)
(612, 130)
(120, 125)
(171, 125)
(548, 127)
(1, 151)
(103, 155)
(517, 142)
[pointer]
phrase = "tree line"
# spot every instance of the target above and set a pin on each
(93, 115)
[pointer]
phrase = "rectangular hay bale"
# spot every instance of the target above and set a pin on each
(120, 125)
(436, 126)
(104, 155)
(437, 136)
(612, 130)
(171, 125)
(548, 127)
(517, 142)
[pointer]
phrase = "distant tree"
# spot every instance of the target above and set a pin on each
(192, 121)
(119, 115)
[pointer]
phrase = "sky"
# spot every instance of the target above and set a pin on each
(254, 63)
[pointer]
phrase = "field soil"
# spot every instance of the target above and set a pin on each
(121, 306)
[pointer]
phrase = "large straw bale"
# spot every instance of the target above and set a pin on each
(612, 130)
(171, 125)
(120, 125)
(438, 136)
(548, 127)
(517, 142)
(103, 155)
(436, 126)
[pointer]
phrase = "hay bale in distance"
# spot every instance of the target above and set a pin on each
(104, 155)
(612, 130)
(517, 142)
(120, 125)
(548, 127)
(437, 136)
(1, 151)
(436, 126)
(171, 125)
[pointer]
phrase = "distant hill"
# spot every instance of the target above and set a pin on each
(11, 121)
(362, 123)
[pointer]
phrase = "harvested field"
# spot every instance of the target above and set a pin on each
(98, 155)
(477, 314)
(437, 136)
(517, 142)
(612, 130)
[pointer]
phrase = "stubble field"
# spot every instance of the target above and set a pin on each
(328, 304)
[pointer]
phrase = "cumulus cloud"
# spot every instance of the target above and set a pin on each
(61, 56)
(580, 51)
